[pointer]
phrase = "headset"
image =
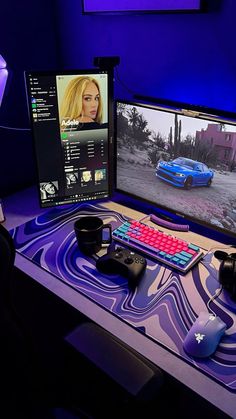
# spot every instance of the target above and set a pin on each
(227, 271)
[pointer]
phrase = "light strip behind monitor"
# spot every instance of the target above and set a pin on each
(139, 5)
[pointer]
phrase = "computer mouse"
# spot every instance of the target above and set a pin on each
(204, 336)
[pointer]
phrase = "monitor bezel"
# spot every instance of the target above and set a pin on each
(60, 72)
(199, 9)
(134, 200)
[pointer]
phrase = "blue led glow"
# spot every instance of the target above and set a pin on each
(3, 77)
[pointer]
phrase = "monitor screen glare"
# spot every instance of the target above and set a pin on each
(69, 115)
(184, 164)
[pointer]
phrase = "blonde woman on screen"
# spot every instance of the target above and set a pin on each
(82, 102)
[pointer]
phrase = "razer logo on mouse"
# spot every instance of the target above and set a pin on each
(199, 337)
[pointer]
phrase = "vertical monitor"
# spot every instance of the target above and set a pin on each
(180, 161)
(70, 124)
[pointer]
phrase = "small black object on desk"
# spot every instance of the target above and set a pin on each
(89, 234)
(124, 262)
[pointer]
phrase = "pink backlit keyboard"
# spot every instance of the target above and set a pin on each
(159, 245)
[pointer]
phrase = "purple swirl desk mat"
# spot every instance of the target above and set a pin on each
(163, 306)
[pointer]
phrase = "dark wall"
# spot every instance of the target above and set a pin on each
(185, 57)
(28, 35)
(182, 56)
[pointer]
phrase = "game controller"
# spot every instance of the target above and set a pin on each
(124, 262)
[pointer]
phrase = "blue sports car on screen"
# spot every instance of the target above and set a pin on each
(184, 173)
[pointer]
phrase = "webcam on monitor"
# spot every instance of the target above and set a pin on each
(106, 62)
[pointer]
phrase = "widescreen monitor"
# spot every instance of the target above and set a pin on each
(70, 122)
(103, 6)
(180, 161)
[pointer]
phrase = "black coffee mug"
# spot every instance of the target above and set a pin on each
(89, 234)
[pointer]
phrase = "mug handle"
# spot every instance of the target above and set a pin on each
(110, 233)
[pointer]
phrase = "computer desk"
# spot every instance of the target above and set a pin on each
(23, 206)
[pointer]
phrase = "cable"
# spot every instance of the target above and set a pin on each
(15, 129)
(217, 293)
(217, 248)
(164, 221)
(202, 261)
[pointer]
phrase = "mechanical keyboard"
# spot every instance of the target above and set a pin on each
(163, 247)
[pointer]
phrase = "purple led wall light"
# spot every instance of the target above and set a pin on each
(3, 77)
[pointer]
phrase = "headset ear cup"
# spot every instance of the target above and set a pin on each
(227, 276)
(233, 283)
(226, 272)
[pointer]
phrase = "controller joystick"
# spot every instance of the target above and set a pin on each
(124, 262)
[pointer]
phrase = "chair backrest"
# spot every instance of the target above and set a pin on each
(7, 259)
(17, 357)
